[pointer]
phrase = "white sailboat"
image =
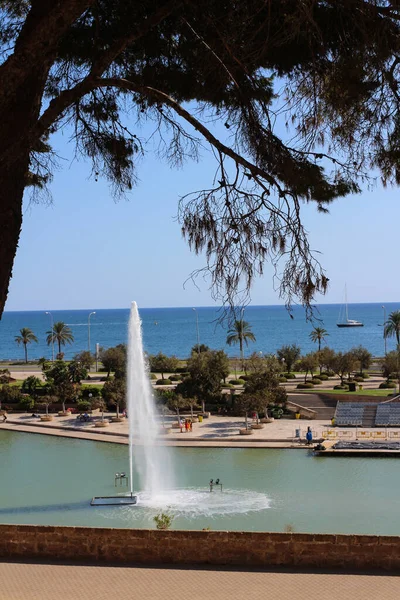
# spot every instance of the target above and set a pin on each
(346, 322)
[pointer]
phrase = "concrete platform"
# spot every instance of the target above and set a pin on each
(31, 581)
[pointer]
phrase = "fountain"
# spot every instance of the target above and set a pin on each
(151, 462)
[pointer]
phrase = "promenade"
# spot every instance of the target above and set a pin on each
(30, 581)
(214, 431)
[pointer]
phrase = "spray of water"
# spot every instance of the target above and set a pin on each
(150, 460)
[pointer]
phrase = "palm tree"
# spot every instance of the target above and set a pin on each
(61, 334)
(318, 334)
(392, 326)
(240, 332)
(27, 336)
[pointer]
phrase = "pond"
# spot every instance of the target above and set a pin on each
(50, 480)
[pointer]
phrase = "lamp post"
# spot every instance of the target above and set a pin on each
(384, 323)
(52, 334)
(197, 330)
(90, 314)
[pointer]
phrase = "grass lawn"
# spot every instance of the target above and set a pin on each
(347, 393)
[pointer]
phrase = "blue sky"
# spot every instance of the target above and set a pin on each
(87, 251)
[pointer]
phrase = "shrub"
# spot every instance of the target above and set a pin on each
(237, 381)
(341, 387)
(393, 376)
(26, 403)
(84, 406)
(175, 378)
(10, 394)
(305, 386)
(277, 412)
(387, 385)
(323, 377)
(282, 380)
(244, 377)
(91, 389)
(329, 373)
(316, 380)
(359, 379)
(289, 375)
(163, 382)
(152, 376)
(163, 521)
(181, 369)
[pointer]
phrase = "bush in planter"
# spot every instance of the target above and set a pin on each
(26, 403)
(341, 387)
(282, 380)
(316, 380)
(163, 382)
(329, 373)
(304, 386)
(152, 376)
(289, 375)
(237, 381)
(358, 379)
(387, 385)
(244, 377)
(323, 377)
(175, 378)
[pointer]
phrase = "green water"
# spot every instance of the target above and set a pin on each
(49, 480)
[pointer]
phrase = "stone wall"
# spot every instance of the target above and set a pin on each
(199, 547)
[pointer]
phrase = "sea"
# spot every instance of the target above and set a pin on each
(174, 330)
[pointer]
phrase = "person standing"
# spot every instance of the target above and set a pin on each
(308, 436)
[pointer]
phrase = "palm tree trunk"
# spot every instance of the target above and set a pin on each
(59, 346)
(26, 352)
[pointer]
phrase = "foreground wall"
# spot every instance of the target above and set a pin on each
(199, 547)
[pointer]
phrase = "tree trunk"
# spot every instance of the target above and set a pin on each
(11, 192)
(26, 353)
(21, 95)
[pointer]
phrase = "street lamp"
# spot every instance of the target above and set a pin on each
(90, 314)
(52, 334)
(197, 330)
(384, 323)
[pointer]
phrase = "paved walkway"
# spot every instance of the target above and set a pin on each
(214, 431)
(66, 582)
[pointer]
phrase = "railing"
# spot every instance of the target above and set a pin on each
(293, 407)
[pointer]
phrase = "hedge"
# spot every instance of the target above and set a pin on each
(305, 386)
